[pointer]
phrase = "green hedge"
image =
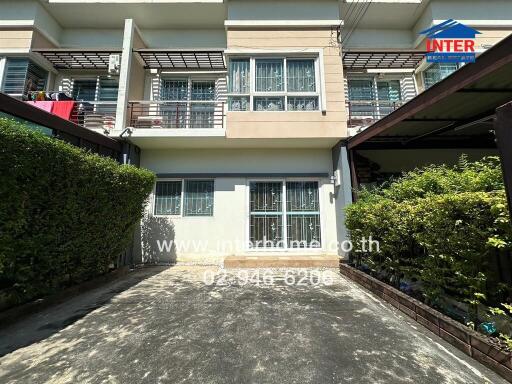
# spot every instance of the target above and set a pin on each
(440, 225)
(65, 214)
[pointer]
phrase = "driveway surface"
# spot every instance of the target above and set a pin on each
(173, 326)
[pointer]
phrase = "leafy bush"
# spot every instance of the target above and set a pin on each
(439, 225)
(65, 214)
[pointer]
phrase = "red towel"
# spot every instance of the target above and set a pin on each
(64, 109)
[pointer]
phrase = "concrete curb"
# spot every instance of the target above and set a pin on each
(468, 341)
(15, 314)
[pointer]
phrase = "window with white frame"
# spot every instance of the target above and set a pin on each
(190, 103)
(284, 214)
(273, 84)
(184, 198)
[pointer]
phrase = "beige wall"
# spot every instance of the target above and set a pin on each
(490, 37)
(333, 123)
(16, 39)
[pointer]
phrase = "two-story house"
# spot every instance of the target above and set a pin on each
(236, 105)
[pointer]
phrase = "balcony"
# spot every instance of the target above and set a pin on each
(362, 113)
(176, 115)
(98, 115)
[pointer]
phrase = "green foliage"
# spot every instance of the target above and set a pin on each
(440, 225)
(65, 214)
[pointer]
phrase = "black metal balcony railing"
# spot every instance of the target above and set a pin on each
(89, 114)
(176, 114)
(365, 112)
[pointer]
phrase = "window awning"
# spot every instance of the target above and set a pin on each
(202, 59)
(375, 59)
(63, 58)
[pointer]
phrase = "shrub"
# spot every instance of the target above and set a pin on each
(440, 225)
(65, 214)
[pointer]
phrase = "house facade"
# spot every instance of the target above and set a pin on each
(238, 106)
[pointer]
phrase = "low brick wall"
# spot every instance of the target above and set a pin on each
(465, 339)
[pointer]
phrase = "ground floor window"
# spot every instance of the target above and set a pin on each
(196, 195)
(284, 214)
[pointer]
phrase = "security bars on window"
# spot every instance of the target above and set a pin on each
(197, 198)
(278, 84)
(296, 226)
(191, 103)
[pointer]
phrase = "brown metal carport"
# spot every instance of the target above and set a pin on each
(454, 117)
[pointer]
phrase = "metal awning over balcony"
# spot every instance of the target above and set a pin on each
(62, 58)
(377, 59)
(202, 59)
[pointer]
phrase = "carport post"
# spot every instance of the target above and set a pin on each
(503, 129)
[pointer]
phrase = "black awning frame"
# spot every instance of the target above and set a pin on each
(375, 59)
(173, 59)
(63, 58)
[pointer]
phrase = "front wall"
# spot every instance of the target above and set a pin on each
(293, 124)
(16, 40)
(226, 232)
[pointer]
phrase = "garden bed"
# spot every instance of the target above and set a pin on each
(468, 341)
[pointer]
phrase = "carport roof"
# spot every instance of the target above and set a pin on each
(456, 112)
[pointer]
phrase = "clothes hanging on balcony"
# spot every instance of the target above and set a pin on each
(64, 109)
(44, 105)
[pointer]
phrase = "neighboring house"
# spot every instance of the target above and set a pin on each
(237, 106)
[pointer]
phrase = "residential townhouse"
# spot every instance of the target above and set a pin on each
(240, 107)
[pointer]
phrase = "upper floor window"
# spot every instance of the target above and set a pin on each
(373, 97)
(273, 84)
(437, 72)
(95, 89)
(190, 103)
(22, 77)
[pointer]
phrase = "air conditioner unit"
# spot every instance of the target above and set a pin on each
(114, 62)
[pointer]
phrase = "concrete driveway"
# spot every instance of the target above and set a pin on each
(169, 326)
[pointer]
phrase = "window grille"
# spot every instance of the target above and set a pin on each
(269, 103)
(266, 216)
(239, 76)
(298, 103)
(174, 90)
(198, 198)
(302, 215)
(168, 198)
(273, 88)
(300, 75)
(269, 75)
(202, 115)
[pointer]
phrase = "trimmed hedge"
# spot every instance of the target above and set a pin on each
(65, 214)
(440, 225)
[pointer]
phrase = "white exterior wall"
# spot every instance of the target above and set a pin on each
(226, 232)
